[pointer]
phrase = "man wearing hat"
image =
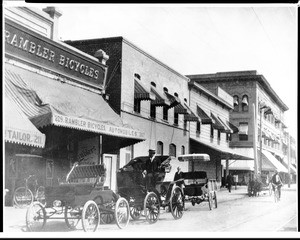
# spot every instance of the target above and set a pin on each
(151, 169)
(276, 181)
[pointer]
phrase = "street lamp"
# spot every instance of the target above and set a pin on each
(263, 110)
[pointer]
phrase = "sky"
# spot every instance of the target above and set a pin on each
(201, 39)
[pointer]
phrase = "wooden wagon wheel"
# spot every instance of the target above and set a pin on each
(122, 212)
(72, 216)
(90, 216)
(135, 211)
(177, 203)
(35, 217)
(105, 217)
(151, 207)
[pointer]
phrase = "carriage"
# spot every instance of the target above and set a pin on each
(82, 197)
(146, 201)
(197, 187)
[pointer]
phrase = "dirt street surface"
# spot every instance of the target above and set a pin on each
(235, 212)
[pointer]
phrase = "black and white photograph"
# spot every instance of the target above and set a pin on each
(150, 120)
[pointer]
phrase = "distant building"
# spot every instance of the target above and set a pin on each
(247, 89)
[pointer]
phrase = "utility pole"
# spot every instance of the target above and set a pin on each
(289, 160)
(254, 140)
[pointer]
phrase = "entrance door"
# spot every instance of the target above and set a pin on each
(110, 162)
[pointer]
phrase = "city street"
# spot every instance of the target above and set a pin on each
(236, 212)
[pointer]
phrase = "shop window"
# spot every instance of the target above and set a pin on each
(182, 150)
(176, 116)
(228, 137)
(236, 103)
(245, 104)
(172, 150)
(137, 106)
(152, 111)
(165, 113)
(160, 148)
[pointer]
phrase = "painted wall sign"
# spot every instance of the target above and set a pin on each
(93, 126)
(225, 96)
(26, 45)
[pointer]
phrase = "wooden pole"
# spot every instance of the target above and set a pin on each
(254, 140)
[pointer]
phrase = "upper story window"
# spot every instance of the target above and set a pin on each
(245, 104)
(182, 150)
(219, 135)
(160, 148)
(165, 113)
(243, 131)
(137, 76)
(198, 127)
(176, 118)
(153, 84)
(172, 150)
(176, 94)
(185, 100)
(165, 89)
(152, 111)
(235, 103)
(211, 131)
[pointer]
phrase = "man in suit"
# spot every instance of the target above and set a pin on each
(151, 169)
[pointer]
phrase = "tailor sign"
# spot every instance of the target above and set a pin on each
(26, 45)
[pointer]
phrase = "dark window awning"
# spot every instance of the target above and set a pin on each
(234, 128)
(160, 100)
(205, 119)
(192, 117)
(173, 100)
(19, 129)
(181, 108)
(47, 101)
(227, 128)
(202, 147)
(217, 124)
(140, 93)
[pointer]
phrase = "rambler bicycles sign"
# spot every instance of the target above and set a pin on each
(28, 46)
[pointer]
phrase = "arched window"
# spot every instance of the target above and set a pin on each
(172, 150)
(236, 103)
(165, 89)
(160, 148)
(137, 76)
(245, 103)
(185, 99)
(153, 84)
(182, 150)
(176, 94)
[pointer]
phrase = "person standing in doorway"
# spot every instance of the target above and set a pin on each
(229, 181)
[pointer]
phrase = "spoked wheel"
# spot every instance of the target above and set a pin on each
(23, 197)
(177, 203)
(72, 216)
(122, 212)
(163, 191)
(210, 201)
(40, 195)
(215, 199)
(90, 216)
(35, 217)
(105, 217)
(135, 212)
(151, 207)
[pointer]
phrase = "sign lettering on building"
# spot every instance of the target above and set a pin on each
(225, 96)
(28, 46)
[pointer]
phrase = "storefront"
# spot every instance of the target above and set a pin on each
(60, 91)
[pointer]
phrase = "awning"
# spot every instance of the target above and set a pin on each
(227, 128)
(46, 101)
(292, 168)
(192, 117)
(160, 100)
(197, 146)
(173, 99)
(205, 119)
(234, 128)
(217, 124)
(140, 93)
(274, 161)
(19, 129)
(181, 109)
(247, 165)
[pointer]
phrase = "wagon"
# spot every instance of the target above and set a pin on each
(146, 201)
(82, 197)
(197, 187)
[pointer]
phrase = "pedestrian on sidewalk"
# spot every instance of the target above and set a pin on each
(229, 180)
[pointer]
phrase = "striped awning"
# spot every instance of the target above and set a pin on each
(205, 119)
(173, 100)
(192, 117)
(276, 164)
(160, 100)
(181, 109)
(18, 128)
(217, 124)
(140, 93)
(46, 101)
(234, 128)
(227, 128)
